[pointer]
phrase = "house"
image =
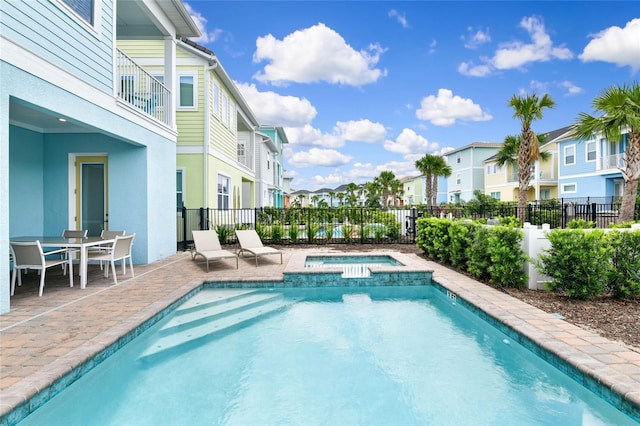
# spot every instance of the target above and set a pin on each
(467, 169)
(591, 168)
(502, 183)
(270, 166)
(415, 190)
(87, 136)
(215, 157)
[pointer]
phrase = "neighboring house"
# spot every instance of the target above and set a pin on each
(414, 190)
(502, 183)
(87, 137)
(467, 169)
(591, 168)
(301, 198)
(270, 166)
(286, 188)
(215, 163)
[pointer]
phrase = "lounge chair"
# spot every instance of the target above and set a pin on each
(250, 242)
(207, 245)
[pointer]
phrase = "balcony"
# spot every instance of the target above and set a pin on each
(141, 90)
(543, 175)
(612, 162)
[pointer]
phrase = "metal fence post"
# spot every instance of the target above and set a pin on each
(184, 228)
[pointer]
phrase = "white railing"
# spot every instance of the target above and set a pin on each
(141, 90)
(608, 162)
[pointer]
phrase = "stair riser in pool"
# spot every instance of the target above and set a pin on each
(207, 297)
(210, 313)
(184, 340)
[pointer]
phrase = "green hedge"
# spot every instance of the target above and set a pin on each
(491, 253)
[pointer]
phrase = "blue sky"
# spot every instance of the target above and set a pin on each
(366, 86)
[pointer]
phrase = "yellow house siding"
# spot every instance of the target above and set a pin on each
(237, 176)
(191, 122)
(142, 48)
(193, 190)
(222, 136)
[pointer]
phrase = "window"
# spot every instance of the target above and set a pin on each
(187, 92)
(458, 179)
(216, 99)
(458, 158)
(495, 169)
(569, 155)
(591, 151)
(489, 169)
(569, 188)
(85, 9)
(179, 186)
(225, 109)
(224, 182)
(545, 194)
(232, 116)
(495, 195)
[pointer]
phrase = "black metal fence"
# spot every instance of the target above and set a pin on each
(364, 225)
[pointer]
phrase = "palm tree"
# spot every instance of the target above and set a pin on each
(340, 196)
(508, 154)
(620, 108)
(351, 189)
(527, 109)
(331, 195)
(432, 167)
(301, 198)
(315, 199)
(372, 191)
(386, 182)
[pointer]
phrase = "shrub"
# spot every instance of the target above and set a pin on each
(507, 256)
(624, 274)
(580, 224)
(479, 258)
(461, 238)
(433, 237)
(223, 233)
(312, 230)
(577, 262)
(277, 232)
(293, 232)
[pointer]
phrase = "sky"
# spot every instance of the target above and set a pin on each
(362, 87)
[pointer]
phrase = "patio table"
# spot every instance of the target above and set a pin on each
(82, 244)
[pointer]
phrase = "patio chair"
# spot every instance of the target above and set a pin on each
(119, 250)
(72, 233)
(207, 245)
(250, 242)
(29, 255)
(104, 248)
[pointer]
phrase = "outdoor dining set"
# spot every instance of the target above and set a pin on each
(39, 253)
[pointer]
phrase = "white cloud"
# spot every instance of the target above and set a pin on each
(568, 88)
(517, 54)
(315, 54)
(360, 131)
(318, 157)
(445, 109)
(273, 108)
(410, 143)
(475, 38)
(400, 17)
(201, 23)
(620, 46)
(432, 46)
(308, 135)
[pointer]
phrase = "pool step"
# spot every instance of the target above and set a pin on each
(211, 316)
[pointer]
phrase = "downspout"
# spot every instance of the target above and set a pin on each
(213, 64)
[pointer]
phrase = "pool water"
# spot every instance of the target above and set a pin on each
(378, 260)
(338, 356)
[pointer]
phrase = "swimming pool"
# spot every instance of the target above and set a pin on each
(334, 355)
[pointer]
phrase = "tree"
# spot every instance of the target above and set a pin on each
(372, 192)
(315, 199)
(301, 198)
(351, 190)
(340, 196)
(388, 185)
(432, 167)
(331, 195)
(508, 154)
(620, 108)
(527, 109)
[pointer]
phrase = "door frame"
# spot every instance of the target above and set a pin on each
(75, 193)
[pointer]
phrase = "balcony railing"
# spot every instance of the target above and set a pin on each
(543, 175)
(141, 90)
(615, 161)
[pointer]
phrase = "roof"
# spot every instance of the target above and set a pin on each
(475, 145)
